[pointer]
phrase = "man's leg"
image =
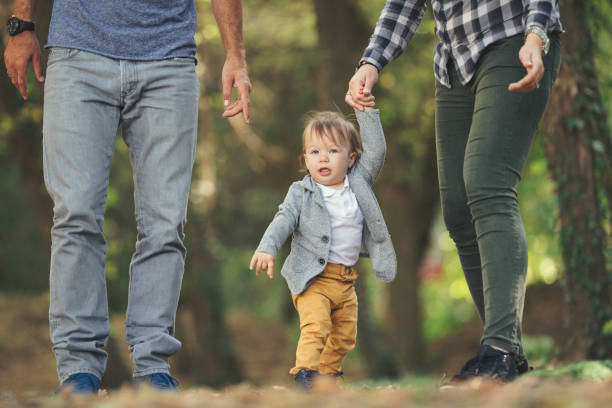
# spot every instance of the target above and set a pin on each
(160, 127)
(80, 122)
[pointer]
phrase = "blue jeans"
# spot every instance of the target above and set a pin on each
(87, 97)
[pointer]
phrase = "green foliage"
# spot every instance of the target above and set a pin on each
(598, 371)
(540, 350)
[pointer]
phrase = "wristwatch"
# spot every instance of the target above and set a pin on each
(540, 33)
(16, 26)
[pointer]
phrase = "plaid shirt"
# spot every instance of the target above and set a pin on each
(464, 29)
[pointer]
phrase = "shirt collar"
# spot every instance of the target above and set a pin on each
(328, 191)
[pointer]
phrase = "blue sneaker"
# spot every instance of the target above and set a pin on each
(304, 379)
(80, 383)
(159, 381)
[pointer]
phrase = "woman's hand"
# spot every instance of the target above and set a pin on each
(530, 55)
(359, 94)
(262, 262)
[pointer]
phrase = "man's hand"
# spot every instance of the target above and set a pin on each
(20, 50)
(359, 94)
(530, 56)
(235, 75)
(262, 262)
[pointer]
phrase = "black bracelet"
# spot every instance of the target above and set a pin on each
(363, 62)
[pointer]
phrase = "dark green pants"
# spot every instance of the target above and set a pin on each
(483, 135)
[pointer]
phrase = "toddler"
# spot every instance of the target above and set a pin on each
(334, 218)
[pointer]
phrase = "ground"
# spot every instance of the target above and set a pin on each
(27, 374)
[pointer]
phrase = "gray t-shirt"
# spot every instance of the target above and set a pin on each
(129, 29)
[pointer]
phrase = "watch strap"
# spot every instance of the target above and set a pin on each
(540, 33)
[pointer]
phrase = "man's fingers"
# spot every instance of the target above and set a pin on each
(22, 83)
(233, 110)
(252, 262)
(243, 94)
(227, 84)
(38, 67)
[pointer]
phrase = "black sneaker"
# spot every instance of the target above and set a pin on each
(522, 365)
(80, 383)
(496, 364)
(469, 370)
(159, 381)
(489, 362)
(304, 379)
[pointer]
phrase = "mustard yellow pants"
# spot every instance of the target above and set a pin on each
(328, 320)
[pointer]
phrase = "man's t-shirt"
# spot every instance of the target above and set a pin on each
(128, 29)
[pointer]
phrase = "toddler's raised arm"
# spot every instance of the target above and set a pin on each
(373, 141)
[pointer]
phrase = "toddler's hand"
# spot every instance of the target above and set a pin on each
(263, 262)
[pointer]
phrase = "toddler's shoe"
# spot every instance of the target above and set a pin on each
(80, 383)
(304, 379)
(159, 381)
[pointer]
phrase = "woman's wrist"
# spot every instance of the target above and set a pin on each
(536, 35)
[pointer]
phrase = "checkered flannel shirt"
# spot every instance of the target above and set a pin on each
(464, 29)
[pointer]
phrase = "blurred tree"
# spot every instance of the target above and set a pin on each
(342, 33)
(408, 201)
(579, 154)
(21, 127)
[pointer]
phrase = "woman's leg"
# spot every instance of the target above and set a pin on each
(454, 111)
(503, 126)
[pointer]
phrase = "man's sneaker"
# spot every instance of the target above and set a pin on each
(158, 381)
(80, 383)
(304, 379)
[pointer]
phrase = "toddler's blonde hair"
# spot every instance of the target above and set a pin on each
(334, 126)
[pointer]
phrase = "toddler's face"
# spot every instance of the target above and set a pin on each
(326, 161)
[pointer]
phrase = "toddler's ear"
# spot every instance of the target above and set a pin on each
(352, 158)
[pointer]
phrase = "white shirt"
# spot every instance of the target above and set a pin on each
(346, 224)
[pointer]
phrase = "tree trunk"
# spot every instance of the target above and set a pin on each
(579, 160)
(208, 355)
(342, 37)
(24, 136)
(413, 209)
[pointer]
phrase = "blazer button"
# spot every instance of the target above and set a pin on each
(322, 261)
(325, 239)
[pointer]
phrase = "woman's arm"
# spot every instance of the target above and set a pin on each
(538, 13)
(373, 141)
(397, 24)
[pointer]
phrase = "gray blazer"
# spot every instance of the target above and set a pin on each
(304, 214)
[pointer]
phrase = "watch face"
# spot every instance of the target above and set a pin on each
(12, 25)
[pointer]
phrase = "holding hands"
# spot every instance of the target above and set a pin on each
(359, 95)
(262, 262)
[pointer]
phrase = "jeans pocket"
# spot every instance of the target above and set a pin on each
(188, 60)
(61, 53)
